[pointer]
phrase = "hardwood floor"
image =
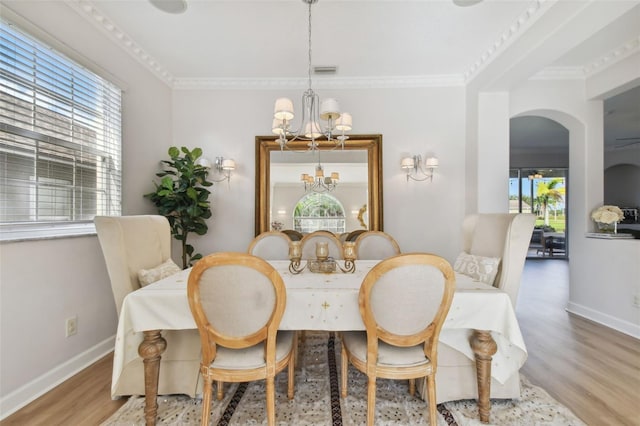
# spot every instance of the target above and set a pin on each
(593, 370)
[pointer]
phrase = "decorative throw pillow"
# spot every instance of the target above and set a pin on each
(483, 269)
(165, 269)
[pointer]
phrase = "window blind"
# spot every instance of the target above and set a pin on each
(60, 136)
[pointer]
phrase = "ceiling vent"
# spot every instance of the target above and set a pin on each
(325, 70)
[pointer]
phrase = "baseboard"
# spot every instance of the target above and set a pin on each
(625, 327)
(43, 384)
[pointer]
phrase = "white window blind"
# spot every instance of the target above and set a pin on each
(60, 137)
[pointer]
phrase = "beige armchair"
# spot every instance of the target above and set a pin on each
(507, 237)
(129, 245)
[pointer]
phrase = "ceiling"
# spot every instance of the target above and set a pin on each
(437, 41)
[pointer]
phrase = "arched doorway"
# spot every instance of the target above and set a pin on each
(538, 181)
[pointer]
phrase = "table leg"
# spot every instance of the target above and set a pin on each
(484, 347)
(151, 350)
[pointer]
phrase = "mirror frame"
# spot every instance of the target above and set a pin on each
(266, 144)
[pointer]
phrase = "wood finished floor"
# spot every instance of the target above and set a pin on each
(592, 369)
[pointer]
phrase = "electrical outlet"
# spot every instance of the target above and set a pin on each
(636, 300)
(71, 326)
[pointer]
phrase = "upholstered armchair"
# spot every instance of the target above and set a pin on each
(130, 245)
(504, 236)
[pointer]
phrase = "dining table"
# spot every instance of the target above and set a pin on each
(481, 322)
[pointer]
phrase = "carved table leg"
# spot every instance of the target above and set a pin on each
(151, 350)
(484, 347)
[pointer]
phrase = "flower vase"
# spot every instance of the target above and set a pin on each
(607, 228)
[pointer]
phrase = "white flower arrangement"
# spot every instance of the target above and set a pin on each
(607, 214)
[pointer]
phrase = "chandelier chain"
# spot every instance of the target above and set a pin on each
(309, 35)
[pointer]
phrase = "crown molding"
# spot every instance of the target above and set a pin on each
(601, 64)
(89, 11)
(506, 38)
(321, 83)
(621, 52)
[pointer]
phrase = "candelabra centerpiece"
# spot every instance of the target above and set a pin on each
(322, 263)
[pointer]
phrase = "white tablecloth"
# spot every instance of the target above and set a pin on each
(329, 302)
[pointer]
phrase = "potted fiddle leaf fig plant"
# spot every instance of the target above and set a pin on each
(183, 198)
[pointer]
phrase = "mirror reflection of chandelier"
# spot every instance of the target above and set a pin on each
(318, 182)
(318, 119)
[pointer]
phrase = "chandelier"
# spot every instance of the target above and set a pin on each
(318, 182)
(318, 119)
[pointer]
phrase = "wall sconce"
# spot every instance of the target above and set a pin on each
(415, 169)
(222, 166)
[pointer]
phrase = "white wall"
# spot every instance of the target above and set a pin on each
(42, 283)
(601, 290)
(422, 216)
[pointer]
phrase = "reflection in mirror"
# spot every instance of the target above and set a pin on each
(351, 201)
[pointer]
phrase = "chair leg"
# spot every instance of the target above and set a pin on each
(206, 400)
(412, 387)
(344, 370)
(271, 403)
(431, 391)
(291, 375)
(371, 401)
(220, 393)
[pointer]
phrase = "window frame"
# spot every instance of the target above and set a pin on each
(111, 203)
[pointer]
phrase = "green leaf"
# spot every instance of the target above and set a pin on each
(173, 152)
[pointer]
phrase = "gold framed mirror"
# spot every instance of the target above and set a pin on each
(364, 147)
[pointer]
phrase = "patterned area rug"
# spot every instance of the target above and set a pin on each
(317, 401)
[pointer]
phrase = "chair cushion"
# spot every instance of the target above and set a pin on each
(165, 269)
(356, 343)
(252, 357)
(483, 269)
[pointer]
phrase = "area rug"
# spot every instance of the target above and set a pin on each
(317, 401)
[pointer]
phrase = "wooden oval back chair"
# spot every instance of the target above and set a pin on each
(237, 301)
(308, 244)
(270, 245)
(403, 302)
(376, 245)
